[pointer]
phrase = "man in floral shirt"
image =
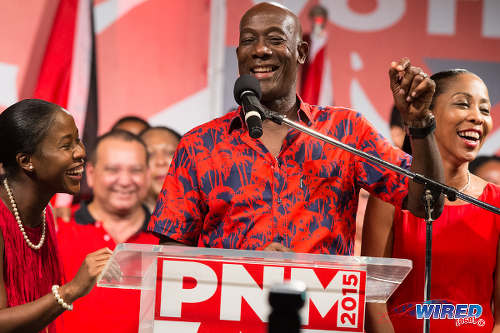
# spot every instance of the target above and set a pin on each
(288, 191)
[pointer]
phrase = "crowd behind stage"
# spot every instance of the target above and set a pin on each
(217, 187)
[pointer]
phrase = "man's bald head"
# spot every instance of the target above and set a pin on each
(271, 48)
(273, 8)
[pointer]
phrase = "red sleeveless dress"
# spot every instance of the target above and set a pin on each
(464, 252)
(28, 274)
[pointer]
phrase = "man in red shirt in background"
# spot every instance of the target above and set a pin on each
(118, 174)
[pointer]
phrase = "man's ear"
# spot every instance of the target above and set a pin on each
(237, 51)
(24, 161)
(237, 63)
(303, 50)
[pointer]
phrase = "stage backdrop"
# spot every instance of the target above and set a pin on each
(173, 62)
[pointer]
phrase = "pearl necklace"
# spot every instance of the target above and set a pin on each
(19, 222)
(467, 184)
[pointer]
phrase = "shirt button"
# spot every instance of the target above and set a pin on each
(107, 238)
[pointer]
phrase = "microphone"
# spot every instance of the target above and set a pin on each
(286, 299)
(247, 94)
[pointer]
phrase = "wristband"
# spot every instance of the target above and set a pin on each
(422, 132)
(55, 292)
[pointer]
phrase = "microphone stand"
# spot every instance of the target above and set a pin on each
(432, 190)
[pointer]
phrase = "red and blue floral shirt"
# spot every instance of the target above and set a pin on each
(225, 189)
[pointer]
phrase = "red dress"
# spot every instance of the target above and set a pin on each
(28, 274)
(464, 252)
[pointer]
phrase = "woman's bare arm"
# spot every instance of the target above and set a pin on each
(377, 242)
(34, 316)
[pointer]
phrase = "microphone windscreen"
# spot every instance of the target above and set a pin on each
(244, 83)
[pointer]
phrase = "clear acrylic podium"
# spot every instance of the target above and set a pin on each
(233, 284)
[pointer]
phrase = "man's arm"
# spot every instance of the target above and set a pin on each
(413, 91)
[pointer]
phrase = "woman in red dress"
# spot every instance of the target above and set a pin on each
(465, 237)
(41, 155)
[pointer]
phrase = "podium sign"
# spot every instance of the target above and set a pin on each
(188, 289)
(217, 295)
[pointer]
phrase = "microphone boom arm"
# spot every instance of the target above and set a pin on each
(433, 185)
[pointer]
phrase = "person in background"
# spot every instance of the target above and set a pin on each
(161, 143)
(287, 191)
(62, 203)
(486, 167)
(465, 247)
(132, 124)
(117, 172)
(44, 155)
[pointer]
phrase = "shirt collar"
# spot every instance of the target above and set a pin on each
(83, 216)
(304, 115)
(304, 112)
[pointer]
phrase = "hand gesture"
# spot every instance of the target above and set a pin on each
(89, 271)
(412, 90)
(277, 247)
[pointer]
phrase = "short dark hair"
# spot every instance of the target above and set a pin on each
(23, 126)
(479, 161)
(163, 128)
(127, 119)
(440, 78)
(120, 135)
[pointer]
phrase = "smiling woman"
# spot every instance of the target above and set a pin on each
(42, 155)
(465, 232)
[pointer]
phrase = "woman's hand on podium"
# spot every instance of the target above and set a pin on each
(87, 275)
(277, 247)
